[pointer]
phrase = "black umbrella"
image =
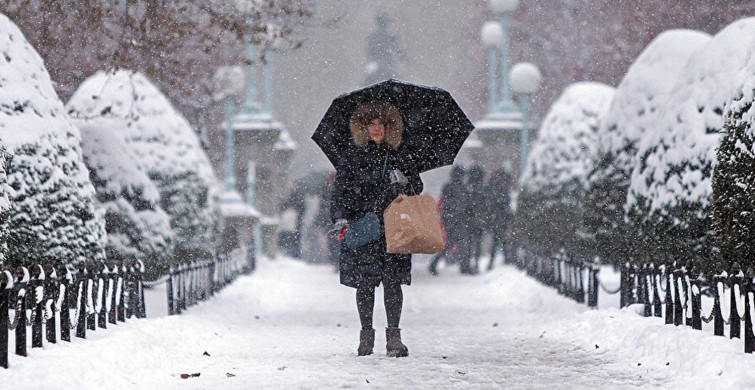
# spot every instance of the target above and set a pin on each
(435, 127)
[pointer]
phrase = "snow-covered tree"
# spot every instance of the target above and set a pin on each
(636, 108)
(166, 147)
(137, 227)
(53, 219)
(668, 202)
(550, 202)
(178, 44)
(734, 180)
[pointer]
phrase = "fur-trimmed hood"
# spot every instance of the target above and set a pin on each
(387, 113)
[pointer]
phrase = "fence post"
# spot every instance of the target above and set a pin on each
(141, 308)
(122, 292)
(678, 313)
(112, 284)
(581, 276)
(749, 288)
(594, 285)
(624, 285)
(81, 324)
(169, 290)
(52, 292)
(735, 280)
(643, 290)
(22, 274)
(668, 300)
(102, 284)
(182, 287)
(6, 283)
(91, 295)
(654, 276)
(37, 283)
(65, 311)
(718, 318)
(695, 292)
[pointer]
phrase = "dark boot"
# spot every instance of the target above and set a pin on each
(393, 345)
(366, 342)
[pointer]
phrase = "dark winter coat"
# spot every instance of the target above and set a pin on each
(499, 201)
(453, 208)
(362, 185)
(477, 213)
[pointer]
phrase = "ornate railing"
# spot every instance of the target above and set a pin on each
(672, 291)
(53, 303)
(41, 301)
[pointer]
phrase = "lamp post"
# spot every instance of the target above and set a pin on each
(504, 8)
(525, 80)
(492, 35)
(499, 129)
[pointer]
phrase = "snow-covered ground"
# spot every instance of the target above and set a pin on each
(291, 325)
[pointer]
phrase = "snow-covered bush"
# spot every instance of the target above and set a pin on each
(53, 219)
(636, 108)
(669, 199)
(166, 147)
(549, 205)
(137, 227)
(734, 180)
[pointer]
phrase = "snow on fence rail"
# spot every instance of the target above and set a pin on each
(670, 291)
(44, 303)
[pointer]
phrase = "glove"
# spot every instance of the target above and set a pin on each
(340, 224)
(339, 228)
(397, 177)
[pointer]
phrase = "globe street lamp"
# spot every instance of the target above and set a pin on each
(525, 80)
(492, 35)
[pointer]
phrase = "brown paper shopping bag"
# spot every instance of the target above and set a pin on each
(412, 225)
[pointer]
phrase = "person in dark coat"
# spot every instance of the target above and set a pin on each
(363, 185)
(451, 211)
(499, 206)
(296, 200)
(476, 218)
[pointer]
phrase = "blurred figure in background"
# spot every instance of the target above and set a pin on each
(292, 210)
(499, 207)
(326, 246)
(477, 218)
(452, 210)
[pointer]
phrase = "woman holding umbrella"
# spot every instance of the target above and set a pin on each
(363, 185)
(379, 139)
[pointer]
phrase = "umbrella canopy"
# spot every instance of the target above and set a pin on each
(434, 126)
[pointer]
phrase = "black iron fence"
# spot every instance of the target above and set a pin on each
(189, 284)
(671, 291)
(53, 303)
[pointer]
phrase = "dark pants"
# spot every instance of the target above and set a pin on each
(474, 242)
(499, 244)
(393, 298)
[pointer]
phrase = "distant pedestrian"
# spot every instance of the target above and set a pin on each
(296, 202)
(499, 206)
(451, 212)
(476, 216)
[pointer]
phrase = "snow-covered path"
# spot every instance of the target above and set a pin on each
(291, 325)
